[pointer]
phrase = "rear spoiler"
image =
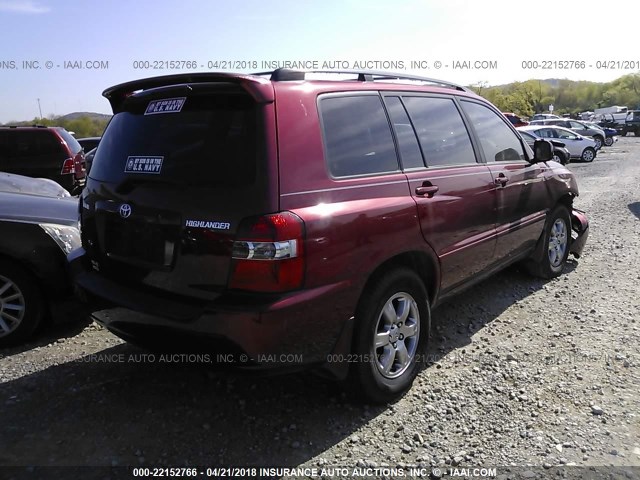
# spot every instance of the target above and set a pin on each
(260, 89)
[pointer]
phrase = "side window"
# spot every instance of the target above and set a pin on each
(547, 133)
(566, 134)
(442, 134)
(357, 136)
(576, 125)
(405, 134)
(498, 141)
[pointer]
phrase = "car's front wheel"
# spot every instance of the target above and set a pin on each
(588, 154)
(608, 141)
(392, 330)
(599, 141)
(556, 242)
(560, 158)
(21, 303)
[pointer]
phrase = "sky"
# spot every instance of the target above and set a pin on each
(57, 56)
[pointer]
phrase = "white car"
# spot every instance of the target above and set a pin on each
(580, 128)
(583, 148)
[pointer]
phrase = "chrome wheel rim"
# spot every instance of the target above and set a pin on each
(558, 241)
(396, 335)
(608, 142)
(12, 306)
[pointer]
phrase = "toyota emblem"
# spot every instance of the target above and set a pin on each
(125, 210)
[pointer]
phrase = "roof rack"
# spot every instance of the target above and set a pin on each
(286, 74)
(25, 126)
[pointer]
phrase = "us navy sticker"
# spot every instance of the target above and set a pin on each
(166, 105)
(143, 165)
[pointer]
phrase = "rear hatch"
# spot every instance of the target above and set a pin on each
(177, 170)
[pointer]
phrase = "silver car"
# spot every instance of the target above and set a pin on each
(578, 127)
(583, 148)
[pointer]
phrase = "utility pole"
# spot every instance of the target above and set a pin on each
(39, 109)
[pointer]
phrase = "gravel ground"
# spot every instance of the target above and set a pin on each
(527, 376)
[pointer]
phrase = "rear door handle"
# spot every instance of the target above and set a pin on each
(501, 180)
(427, 190)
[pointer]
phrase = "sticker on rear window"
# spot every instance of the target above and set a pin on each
(143, 165)
(166, 105)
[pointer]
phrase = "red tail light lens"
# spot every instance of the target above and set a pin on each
(69, 166)
(268, 254)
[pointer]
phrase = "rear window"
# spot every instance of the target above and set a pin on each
(72, 143)
(210, 141)
(33, 143)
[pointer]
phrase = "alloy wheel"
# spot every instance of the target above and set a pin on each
(397, 334)
(558, 240)
(12, 306)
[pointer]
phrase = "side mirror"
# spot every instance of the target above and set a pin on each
(542, 151)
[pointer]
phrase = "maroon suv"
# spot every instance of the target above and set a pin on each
(291, 222)
(47, 152)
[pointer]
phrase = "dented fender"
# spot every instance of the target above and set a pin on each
(580, 232)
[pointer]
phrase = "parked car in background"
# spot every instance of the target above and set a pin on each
(583, 148)
(38, 228)
(560, 152)
(515, 120)
(577, 126)
(632, 123)
(43, 152)
(611, 134)
(89, 158)
(89, 143)
(206, 219)
(544, 116)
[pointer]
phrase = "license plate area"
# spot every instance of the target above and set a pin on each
(140, 242)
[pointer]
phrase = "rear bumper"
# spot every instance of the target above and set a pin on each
(287, 332)
(580, 228)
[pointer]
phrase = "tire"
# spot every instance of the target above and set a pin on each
(599, 141)
(588, 155)
(556, 241)
(560, 158)
(21, 304)
(624, 133)
(608, 141)
(393, 320)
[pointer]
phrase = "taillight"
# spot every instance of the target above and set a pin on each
(69, 166)
(268, 254)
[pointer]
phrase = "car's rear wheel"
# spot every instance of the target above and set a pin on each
(588, 154)
(555, 247)
(21, 303)
(392, 330)
(608, 141)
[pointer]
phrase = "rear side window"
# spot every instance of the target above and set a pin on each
(357, 136)
(547, 133)
(443, 136)
(71, 142)
(211, 141)
(406, 136)
(498, 141)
